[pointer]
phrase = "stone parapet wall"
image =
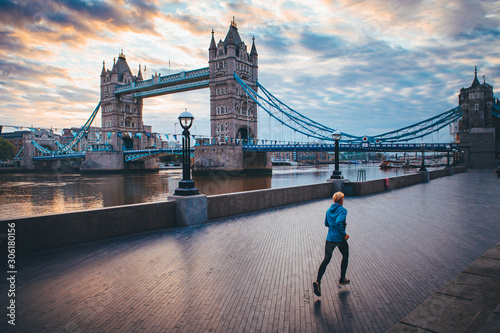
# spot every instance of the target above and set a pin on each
(54, 230)
(380, 185)
(224, 205)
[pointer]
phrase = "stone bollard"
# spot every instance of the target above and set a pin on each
(339, 185)
(191, 210)
(425, 176)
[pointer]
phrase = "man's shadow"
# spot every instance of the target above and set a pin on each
(345, 311)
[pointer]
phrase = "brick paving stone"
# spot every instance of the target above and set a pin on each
(254, 272)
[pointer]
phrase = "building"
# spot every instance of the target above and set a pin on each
(283, 156)
(233, 115)
(44, 137)
(477, 127)
(121, 116)
(16, 138)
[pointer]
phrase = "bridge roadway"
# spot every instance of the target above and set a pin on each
(254, 272)
(143, 154)
(169, 84)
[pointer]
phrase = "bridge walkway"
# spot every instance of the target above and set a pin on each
(254, 272)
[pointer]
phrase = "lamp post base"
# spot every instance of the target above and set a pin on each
(186, 187)
(337, 175)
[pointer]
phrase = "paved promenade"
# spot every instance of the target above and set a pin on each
(254, 273)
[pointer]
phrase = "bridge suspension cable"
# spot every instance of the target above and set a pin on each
(42, 149)
(81, 133)
(68, 148)
(306, 126)
(288, 117)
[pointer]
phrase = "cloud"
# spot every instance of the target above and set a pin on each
(320, 42)
(51, 20)
(11, 43)
(19, 71)
(363, 66)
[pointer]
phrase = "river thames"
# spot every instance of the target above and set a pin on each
(42, 193)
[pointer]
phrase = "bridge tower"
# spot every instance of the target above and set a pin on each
(233, 115)
(476, 129)
(121, 115)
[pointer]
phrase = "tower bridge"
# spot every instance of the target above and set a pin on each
(235, 97)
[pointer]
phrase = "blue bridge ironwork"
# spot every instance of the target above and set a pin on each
(145, 154)
(183, 81)
(392, 141)
(55, 157)
(301, 124)
(353, 147)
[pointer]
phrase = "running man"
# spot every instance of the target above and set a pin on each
(335, 220)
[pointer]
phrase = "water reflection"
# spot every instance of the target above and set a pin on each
(30, 194)
(221, 183)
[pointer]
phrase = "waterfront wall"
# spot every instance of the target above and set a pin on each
(224, 205)
(380, 185)
(54, 230)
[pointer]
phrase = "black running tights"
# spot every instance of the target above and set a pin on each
(329, 247)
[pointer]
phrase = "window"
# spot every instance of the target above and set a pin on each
(476, 107)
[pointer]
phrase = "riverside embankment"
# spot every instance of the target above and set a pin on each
(54, 230)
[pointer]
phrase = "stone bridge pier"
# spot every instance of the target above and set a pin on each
(230, 159)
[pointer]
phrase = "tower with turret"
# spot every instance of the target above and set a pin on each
(477, 129)
(233, 114)
(121, 115)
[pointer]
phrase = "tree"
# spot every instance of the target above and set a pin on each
(6, 150)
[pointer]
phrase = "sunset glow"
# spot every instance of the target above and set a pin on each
(364, 67)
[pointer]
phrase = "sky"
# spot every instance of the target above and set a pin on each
(363, 67)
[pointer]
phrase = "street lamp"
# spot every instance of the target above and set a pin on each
(448, 148)
(336, 136)
(422, 166)
(186, 185)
